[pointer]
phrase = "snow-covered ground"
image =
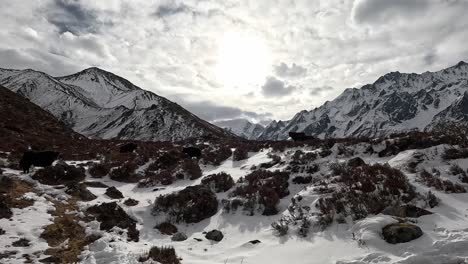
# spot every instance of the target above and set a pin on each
(445, 238)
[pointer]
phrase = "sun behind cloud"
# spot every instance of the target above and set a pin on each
(244, 61)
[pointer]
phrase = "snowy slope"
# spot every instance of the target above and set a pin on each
(445, 236)
(100, 104)
(395, 102)
(241, 127)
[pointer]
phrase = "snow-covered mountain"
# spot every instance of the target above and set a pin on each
(100, 104)
(241, 127)
(395, 102)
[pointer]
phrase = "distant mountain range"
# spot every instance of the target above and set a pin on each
(241, 127)
(99, 104)
(396, 102)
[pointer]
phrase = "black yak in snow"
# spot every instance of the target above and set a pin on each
(37, 158)
(192, 152)
(128, 148)
(299, 136)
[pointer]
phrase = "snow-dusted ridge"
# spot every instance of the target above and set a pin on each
(396, 102)
(241, 127)
(100, 104)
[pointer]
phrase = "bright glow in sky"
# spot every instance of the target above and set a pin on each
(243, 61)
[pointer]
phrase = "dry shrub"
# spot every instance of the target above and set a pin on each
(455, 153)
(163, 255)
(261, 190)
(166, 228)
(188, 169)
(99, 170)
(125, 173)
(240, 153)
(66, 228)
(190, 205)
(439, 184)
(220, 182)
(216, 155)
(60, 174)
(364, 190)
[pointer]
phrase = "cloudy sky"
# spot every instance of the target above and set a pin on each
(222, 59)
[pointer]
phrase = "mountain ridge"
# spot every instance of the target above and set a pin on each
(395, 102)
(100, 104)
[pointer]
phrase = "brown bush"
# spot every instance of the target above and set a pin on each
(240, 153)
(163, 255)
(220, 182)
(454, 153)
(263, 188)
(190, 205)
(99, 170)
(60, 174)
(439, 184)
(125, 173)
(216, 155)
(365, 190)
(188, 169)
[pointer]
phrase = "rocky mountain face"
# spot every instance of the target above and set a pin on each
(241, 127)
(396, 102)
(24, 124)
(99, 104)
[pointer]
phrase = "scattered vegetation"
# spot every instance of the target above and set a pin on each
(190, 205)
(220, 182)
(431, 180)
(163, 255)
(60, 174)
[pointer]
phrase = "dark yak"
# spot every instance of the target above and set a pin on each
(128, 148)
(37, 158)
(192, 152)
(299, 136)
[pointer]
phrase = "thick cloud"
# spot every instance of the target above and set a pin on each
(212, 112)
(384, 11)
(276, 88)
(165, 10)
(283, 70)
(318, 90)
(72, 16)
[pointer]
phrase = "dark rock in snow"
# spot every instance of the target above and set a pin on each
(131, 202)
(2, 232)
(256, 241)
(219, 182)
(7, 254)
(23, 242)
(95, 184)
(114, 193)
(198, 239)
(356, 162)
(401, 233)
(406, 210)
(215, 235)
(111, 215)
(179, 237)
(167, 228)
(81, 192)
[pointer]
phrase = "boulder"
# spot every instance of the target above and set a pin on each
(256, 241)
(131, 202)
(214, 235)
(112, 215)
(401, 233)
(22, 242)
(356, 162)
(179, 236)
(114, 193)
(167, 228)
(406, 210)
(81, 192)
